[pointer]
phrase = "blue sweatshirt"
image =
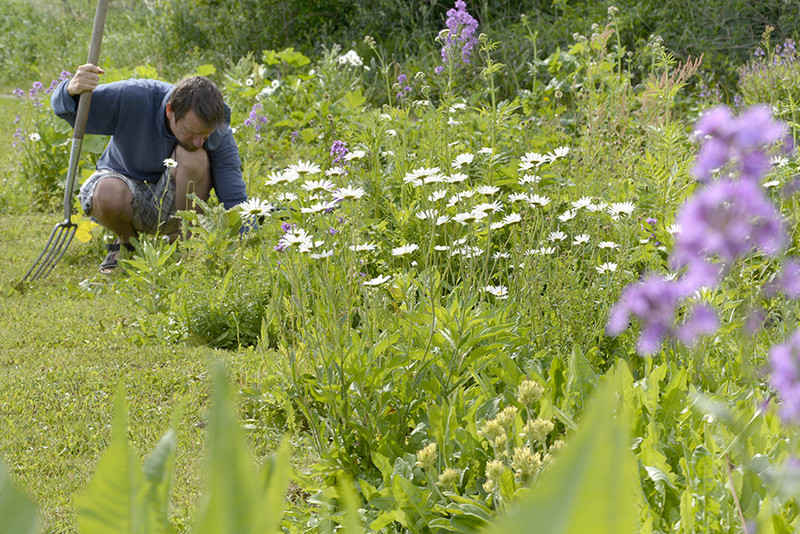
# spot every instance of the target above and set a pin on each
(134, 113)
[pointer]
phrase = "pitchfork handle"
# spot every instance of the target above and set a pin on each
(94, 55)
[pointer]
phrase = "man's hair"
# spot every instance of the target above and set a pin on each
(198, 94)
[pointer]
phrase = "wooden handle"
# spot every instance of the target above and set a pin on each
(94, 55)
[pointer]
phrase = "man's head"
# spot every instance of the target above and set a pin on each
(194, 110)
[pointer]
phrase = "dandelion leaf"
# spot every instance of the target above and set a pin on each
(233, 498)
(17, 513)
(115, 501)
(591, 486)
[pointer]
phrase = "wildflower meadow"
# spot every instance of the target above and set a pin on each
(481, 288)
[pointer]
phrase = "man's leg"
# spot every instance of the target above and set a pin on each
(112, 207)
(192, 175)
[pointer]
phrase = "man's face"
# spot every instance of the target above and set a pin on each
(189, 129)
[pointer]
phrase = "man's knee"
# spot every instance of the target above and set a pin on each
(112, 198)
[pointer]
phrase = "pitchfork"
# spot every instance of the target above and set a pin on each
(62, 234)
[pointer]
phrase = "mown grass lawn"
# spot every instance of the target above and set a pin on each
(63, 353)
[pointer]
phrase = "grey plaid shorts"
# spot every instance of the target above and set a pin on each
(153, 203)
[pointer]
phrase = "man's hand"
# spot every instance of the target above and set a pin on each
(85, 79)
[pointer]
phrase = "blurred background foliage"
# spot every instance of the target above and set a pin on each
(174, 36)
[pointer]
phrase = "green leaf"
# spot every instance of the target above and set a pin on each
(158, 473)
(205, 70)
(293, 57)
(276, 473)
(352, 100)
(232, 498)
(17, 513)
(592, 485)
(115, 499)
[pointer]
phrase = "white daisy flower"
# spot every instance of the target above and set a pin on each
(355, 154)
(317, 186)
(567, 215)
(366, 247)
(405, 250)
(674, 229)
(456, 178)
(458, 197)
(295, 238)
(286, 197)
(583, 202)
(168, 163)
(254, 208)
(419, 174)
(581, 239)
(621, 208)
(512, 218)
(321, 255)
(348, 193)
(377, 281)
(469, 217)
(318, 207)
(538, 200)
(285, 177)
(442, 219)
(501, 255)
(559, 152)
(437, 195)
(771, 184)
(500, 292)
(457, 107)
(517, 197)
(779, 161)
(529, 179)
(487, 150)
(441, 248)
(487, 190)
(335, 171)
(452, 122)
(607, 267)
(304, 167)
(597, 207)
(557, 236)
(391, 133)
(462, 159)
(496, 225)
(424, 215)
(489, 207)
(610, 245)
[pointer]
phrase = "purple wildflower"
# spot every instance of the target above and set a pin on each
(19, 93)
(785, 376)
(339, 150)
(739, 141)
(36, 88)
(726, 221)
(460, 37)
(295, 136)
(286, 227)
(653, 301)
(255, 120)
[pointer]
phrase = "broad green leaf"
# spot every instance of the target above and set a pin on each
(592, 485)
(17, 513)
(352, 100)
(232, 498)
(205, 70)
(581, 377)
(352, 519)
(158, 473)
(276, 473)
(115, 501)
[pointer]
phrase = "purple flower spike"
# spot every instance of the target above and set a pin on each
(653, 302)
(726, 221)
(702, 321)
(785, 376)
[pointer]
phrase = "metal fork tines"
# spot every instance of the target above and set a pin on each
(53, 251)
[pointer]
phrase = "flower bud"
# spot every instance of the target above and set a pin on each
(426, 456)
(529, 392)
